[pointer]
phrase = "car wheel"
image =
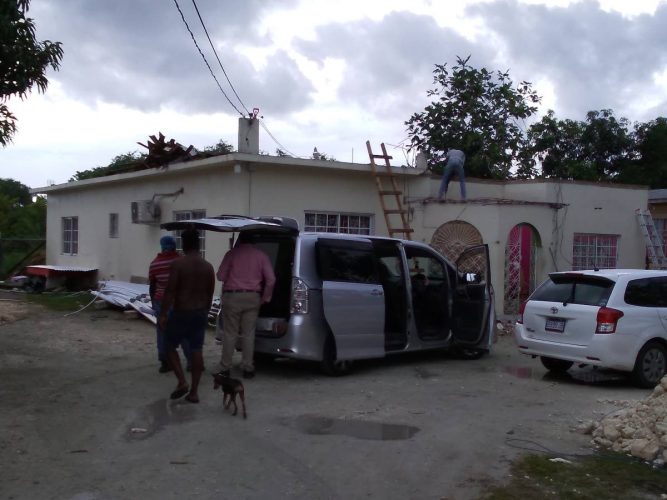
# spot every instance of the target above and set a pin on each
(468, 353)
(261, 357)
(330, 365)
(650, 365)
(556, 365)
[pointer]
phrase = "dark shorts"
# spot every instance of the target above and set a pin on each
(186, 325)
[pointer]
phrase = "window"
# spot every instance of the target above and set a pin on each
(590, 251)
(70, 235)
(584, 291)
(189, 215)
(647, 292)
(352, 261)
(113, 225)
(331, 222)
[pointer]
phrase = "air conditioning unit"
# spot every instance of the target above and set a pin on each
(145, 212)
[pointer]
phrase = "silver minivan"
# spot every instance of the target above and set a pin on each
(345, 297)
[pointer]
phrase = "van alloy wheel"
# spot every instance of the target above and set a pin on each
(651, 365)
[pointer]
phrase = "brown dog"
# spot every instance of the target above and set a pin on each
(230, 388)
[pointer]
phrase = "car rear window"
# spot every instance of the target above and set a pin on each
(573, 291)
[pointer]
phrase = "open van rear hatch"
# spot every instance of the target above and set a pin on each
(234, 223)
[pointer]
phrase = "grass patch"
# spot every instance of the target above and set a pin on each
(595, 477)
(67, 302)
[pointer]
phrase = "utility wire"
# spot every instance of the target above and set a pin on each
(216, 56)
(204, 58)
(283, 148)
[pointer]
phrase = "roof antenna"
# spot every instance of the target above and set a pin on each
(595, 266)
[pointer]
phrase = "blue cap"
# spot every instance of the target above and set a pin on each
(167, 243)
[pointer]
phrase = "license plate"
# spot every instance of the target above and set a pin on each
(555, 325)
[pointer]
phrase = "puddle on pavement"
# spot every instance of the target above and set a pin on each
(360, 429)
(585, 375)
(155, 417)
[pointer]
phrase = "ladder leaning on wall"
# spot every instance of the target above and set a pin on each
(390, 197)
(652, 238)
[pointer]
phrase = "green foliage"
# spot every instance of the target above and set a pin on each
(593, 477)
(20, 193)
(649, 165)
(20, 217)
(602, 148)
(118, 164)
(477, 111)
(220, 148)
(23, 60)
(63, 302)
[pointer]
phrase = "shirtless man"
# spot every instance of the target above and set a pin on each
(189, 294)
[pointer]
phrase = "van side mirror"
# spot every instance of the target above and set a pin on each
(473, 278)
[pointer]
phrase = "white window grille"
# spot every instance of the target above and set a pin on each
(70, 226)
(591, 251)
(189, 215)
(337, 222)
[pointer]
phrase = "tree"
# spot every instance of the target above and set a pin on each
(220, 148)
(17, 192)
(477, 111)
(650, 163)
(23, 60)
(117, 165)
(598, 149)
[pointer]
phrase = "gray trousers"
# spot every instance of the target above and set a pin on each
(239, 318)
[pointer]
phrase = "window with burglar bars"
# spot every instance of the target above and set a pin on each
(189, 215)
(590, 251)
(70, 235)
(332, 222)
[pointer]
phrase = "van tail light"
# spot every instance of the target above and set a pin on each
(300, 296)
(522, 308)
(607, 320)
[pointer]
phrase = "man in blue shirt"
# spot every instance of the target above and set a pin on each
(455, 159)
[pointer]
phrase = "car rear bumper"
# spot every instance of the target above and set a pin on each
(618, 355)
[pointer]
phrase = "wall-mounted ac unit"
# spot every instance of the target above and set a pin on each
(145, 212)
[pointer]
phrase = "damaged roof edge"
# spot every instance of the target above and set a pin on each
(214, 161)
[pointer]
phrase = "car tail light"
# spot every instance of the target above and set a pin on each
(522, 308)
(299, 301)
(607, 319)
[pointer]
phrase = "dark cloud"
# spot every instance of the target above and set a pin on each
(139, 53)
(389, 62)
(595, 59)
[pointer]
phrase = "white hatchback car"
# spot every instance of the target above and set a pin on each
(611, 318)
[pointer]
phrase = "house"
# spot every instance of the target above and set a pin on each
(532, 227)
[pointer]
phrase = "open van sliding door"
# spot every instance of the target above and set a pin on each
(472, 299)
(353, 297)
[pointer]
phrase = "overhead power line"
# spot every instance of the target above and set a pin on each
(282, 148)
(216, 56)
(204, 58)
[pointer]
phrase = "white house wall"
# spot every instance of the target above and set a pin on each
(256, 185)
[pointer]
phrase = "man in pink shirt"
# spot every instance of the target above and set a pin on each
(247, 282)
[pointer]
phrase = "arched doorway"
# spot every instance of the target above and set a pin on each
(453, 237)
(520, 252)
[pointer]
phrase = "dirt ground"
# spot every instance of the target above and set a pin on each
(86, 415)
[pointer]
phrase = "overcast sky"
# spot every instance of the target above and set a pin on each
(324, 74)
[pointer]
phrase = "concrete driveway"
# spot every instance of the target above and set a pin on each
(85, 415)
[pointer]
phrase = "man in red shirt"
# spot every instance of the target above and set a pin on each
(247, 282)
(158, 276)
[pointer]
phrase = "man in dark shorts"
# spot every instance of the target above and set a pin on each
(189, 294)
